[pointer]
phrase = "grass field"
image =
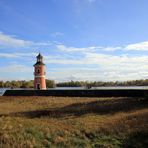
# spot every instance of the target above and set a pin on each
(29, 122)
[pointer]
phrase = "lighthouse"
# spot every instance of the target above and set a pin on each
(39, 74)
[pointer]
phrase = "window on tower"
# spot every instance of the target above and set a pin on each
(38, 71)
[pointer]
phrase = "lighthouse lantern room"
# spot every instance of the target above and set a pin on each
(39, 73)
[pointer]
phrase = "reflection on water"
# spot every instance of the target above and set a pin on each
(2, 90)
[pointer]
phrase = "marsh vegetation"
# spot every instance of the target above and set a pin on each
(66, 122)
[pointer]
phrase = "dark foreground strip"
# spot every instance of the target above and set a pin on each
(80, 93)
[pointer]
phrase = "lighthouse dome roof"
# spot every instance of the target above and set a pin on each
(39, 55)
(39, 60)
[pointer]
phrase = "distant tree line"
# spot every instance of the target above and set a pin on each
(51, 83)
(99, 83)
(24, 84)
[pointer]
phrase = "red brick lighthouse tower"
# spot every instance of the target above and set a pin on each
(39, 73)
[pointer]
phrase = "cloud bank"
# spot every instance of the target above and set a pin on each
(64, 62)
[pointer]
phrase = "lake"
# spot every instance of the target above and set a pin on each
(2, 90)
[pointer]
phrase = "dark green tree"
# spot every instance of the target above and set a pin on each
(50, 84)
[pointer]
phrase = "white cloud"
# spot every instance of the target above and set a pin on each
(107, 67)
(141, 46)
(61, 60)
(43, 43)
(8, 55)
(100, 73)
(70, 49)
(16, 72)
(92, 66)
(11, 41)
(16, 68)
(55, 34)
(138, 46)
(87, 49)
(111, 48)
(75, 49)
(97, 59)
(17, 55)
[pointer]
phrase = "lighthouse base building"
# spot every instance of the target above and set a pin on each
(39, 74)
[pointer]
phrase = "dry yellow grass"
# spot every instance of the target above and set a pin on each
(73, 122)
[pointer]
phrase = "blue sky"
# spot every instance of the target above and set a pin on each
(102, 40)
